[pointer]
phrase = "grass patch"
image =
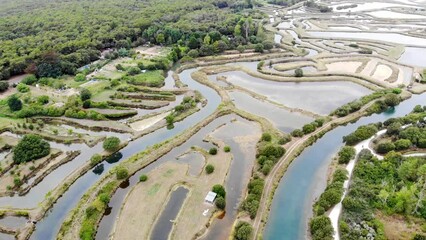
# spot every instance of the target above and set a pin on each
(154, 189)
(150, 78)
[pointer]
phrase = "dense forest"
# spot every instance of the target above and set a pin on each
(50, 38)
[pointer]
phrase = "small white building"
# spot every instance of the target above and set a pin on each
(211, 196)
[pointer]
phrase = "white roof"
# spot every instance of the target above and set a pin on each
(210, 196)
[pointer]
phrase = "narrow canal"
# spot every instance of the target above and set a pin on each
(305, 179)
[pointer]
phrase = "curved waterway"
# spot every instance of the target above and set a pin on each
(305, 178)
(48, 227)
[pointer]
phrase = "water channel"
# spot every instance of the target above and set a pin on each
(305, 179)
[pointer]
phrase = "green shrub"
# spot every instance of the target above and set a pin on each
(402, 144)
(219, 190)
(321, 228)
(23, 88)
(143, 178)
(227, 148)
(220, 203)
(346, 154)
(266, 137)
(111, 144)
(243, 231)
(298, 72)
(385, 147)
(209, 169)
(121, 173)
(213, 151)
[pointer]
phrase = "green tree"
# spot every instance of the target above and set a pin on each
(227, 148)
(111, 144)
(30, 147)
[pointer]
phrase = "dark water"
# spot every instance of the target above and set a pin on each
(164, 224)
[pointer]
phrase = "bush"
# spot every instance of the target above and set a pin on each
(14, 103)
(297, 133)
(3, 86)
(133, 71)
(193, 53)
(227, 148)
(241, 48)
(298, 72)
(121, 173)
(219, 190)
(362, 133)
(85, 94)
(43, 100)
(385, 147)
(80, 77)
(266, 137)
(209, 169)
(259, 47)
(308, 128)
(143, 178)
(23, 88)
(95, 159)
(346, 154)
(243, 231)
(220, 203)
(29, 80)
(111, 144)
(402, 144)
(213, 151)
(391, 99)
(30, 147)
(321, 228)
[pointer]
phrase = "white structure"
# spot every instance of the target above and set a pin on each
(211, 196)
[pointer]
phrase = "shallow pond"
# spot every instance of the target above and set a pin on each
(164, 224)
(13, 222)
(318, 97)
(388, 37)
(4, 236)
(284, 120)
(395, 15)
(277, 38)
(305, 178)
(414, 57)
(195, 160)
